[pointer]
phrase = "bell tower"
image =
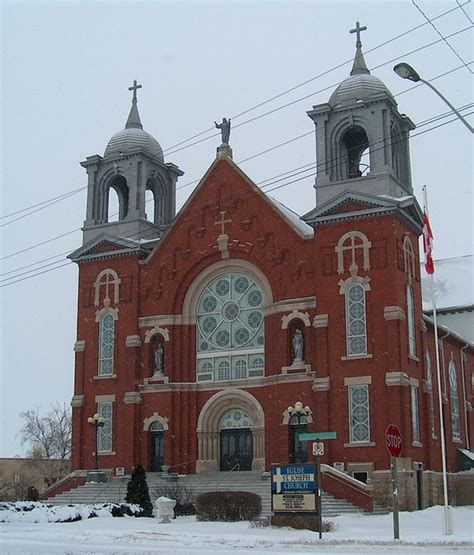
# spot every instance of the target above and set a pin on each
(361, 118)
(133, 163)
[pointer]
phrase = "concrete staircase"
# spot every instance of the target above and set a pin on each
(190, 486)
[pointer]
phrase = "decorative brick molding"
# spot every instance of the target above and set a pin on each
(155, 417)
(321, 321)
(77, 401)
(133, 341)
(132, 398)
(393, 313)
(157, 330)
(295, 315)
(321, 384)
(79, 346)
(397, 378)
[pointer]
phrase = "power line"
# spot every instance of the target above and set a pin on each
(54, 200)
(451, 47)
(463, 10)
(436, 118)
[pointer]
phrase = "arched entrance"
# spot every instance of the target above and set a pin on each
(236, 441)
(220, 443)
(157, 447)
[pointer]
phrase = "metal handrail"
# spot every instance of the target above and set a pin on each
(178, 465)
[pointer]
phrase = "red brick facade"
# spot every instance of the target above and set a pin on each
(303, 286)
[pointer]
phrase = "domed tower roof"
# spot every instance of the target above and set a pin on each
(134, 136)
(360, 86)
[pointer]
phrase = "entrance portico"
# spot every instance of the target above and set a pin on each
(221, 447)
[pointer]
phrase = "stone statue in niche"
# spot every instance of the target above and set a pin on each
(159, 366)
(298, 346)
(225, 130)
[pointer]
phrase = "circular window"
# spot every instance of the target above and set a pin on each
(209, 324)
(209, 304)
(241, 336)
(241, 284)
(222, 287)
(356, 293)
(255, 298)
(230, 311)
(222, 338)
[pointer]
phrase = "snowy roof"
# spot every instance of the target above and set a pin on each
(296, 220)
(453, 282)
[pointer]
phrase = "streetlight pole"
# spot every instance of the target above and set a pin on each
(297, 413)
(97, 422)
(405, 71)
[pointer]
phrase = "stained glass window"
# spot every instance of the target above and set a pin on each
(455, 418)
(104, 434)
(230, 334)
(359, 429)
(411, 322)
(355, 320)
(106, 344)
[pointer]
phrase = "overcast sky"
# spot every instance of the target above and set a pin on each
(66, 68)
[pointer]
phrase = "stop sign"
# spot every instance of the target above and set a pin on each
(393, 440)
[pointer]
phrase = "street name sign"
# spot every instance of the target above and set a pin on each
(315, 436)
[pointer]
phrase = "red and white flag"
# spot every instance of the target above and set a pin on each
(428, 245)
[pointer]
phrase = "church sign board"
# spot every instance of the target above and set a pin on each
(294, 488)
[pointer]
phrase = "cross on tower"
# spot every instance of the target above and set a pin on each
(358, 30)
(136, 87)
(222, 222)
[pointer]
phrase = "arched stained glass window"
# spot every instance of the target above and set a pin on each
(411, 321)
(355, 320)
(455, 418)
(230, 334)
(106, 344)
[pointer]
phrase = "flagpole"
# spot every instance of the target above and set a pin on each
(447, 521)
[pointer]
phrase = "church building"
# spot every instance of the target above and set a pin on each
(209, 339)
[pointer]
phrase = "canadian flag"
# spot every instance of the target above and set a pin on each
(428, 245)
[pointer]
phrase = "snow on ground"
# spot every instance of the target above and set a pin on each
(420, 532)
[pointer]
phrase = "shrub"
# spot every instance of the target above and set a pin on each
(228, 506)
(137, 490)
(301, 522)
(263, 522)
(32, 494)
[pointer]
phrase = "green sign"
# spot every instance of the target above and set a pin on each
(317, 435)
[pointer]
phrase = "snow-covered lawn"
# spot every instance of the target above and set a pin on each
(420, 532)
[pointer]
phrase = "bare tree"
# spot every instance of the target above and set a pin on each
(49, 439)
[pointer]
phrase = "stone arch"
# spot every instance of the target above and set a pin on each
(236, 265)
(208, 427)
(349, 139)
(155, 417)
(108, 279)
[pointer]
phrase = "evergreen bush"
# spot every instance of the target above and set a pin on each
(228, 506)
(137, 490)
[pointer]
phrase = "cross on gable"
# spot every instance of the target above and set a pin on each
(134, 88)
(358, 30)
(222, 222)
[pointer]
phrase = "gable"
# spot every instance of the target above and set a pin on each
(104, 245)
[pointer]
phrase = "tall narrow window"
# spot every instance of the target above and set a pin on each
(356, 332)
(415, 415)
(455, 418)
(429, 381)
(104, 434)
(106, 344)
(359, 425)
(411, 322)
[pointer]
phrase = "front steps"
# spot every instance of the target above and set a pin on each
(192, 485)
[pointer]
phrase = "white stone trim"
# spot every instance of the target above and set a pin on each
(304, 303)
(355, 357)
(107, 310)
(397, 378)
(132, 398)
(157, 330)
(340, 248)
(104, 376)
(234, 265)
(358, 380)
(322, 384)
(321, 321)
(344, 283)
(296, 367)
(360, 444)
(79, 346)
(295, 315)
(105, 398)
(394, 313)
(155, 417)
(77, 401)
(133, 341)
(97, 284)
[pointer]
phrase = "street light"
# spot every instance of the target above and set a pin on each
(405, 71)
(298, 416)
(97, 422)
